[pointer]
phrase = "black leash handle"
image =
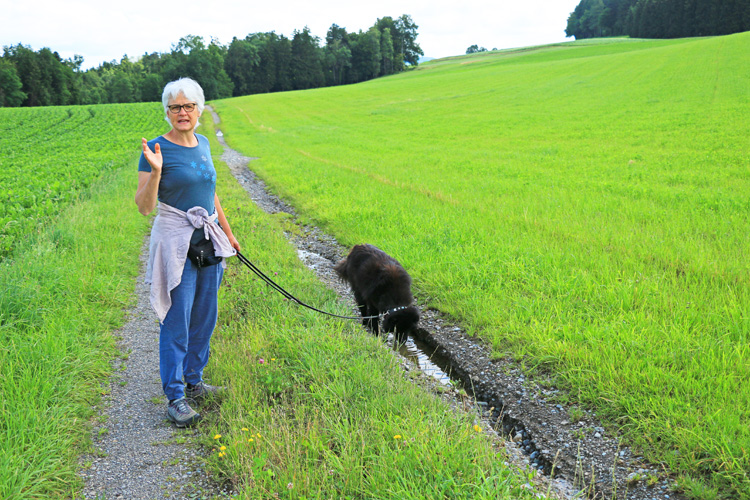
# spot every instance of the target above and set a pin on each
(288, 295)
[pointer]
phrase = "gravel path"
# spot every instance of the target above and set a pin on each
(139, 454)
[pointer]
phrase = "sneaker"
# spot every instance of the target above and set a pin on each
(201, 390)
(179, 412)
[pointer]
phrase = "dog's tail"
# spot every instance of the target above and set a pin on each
(401, 320)
(340, 269)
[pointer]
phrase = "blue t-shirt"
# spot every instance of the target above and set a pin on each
(188, 177)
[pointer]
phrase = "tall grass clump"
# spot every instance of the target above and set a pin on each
(316, 407)
(583, 207)
(61, 295)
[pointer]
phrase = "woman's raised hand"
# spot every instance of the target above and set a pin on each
(153, 157)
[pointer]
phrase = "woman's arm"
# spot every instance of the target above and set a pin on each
(225, 224)
(148, 182)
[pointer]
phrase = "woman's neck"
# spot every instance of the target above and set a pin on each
(187, 139)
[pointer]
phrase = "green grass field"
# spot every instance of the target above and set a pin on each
(52, 155)
(583, 206)
(331, 411)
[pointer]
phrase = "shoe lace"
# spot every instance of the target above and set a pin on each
(181, 406)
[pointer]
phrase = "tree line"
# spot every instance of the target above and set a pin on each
(658, 18)
(258, 63)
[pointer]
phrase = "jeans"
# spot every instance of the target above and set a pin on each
(186, 332)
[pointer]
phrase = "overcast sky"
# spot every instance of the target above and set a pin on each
(104, 31)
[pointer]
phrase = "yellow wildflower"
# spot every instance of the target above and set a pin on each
(217, 436)
(223, 448)
(477, 428)
(245, 429)
(397, 436)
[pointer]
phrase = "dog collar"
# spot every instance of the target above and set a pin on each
(395, 309)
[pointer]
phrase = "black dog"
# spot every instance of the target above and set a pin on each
(380, 285)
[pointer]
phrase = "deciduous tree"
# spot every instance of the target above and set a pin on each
(10, 85)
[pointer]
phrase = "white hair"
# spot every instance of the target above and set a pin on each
(187, 87)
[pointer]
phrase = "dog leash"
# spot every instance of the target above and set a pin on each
(291, 297)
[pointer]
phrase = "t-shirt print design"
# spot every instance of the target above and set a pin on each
(203, 171)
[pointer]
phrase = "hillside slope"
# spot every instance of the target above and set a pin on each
(581, 206)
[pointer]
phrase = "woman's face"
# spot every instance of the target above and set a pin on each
(183, 121)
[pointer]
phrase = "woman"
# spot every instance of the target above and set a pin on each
(176, 171)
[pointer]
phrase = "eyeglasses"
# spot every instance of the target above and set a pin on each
(176, 108)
